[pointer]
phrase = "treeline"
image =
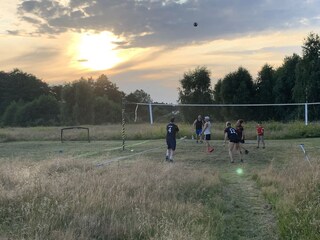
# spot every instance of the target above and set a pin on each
(27, 101)
(296, 81)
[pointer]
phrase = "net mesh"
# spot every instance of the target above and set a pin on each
(159, 113)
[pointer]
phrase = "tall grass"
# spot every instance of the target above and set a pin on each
(273, 130)
(72, 200)
(294, 191)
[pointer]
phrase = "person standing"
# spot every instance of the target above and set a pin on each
(207, 133)
(198, 125)
(260, 135)
(241, 135)
(172, 130)
(231, 134)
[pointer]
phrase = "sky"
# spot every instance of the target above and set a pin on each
(150, 44)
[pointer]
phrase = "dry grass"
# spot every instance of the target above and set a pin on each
(72, 200)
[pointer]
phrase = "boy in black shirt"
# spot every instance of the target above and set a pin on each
(231, 134)
(172, 129)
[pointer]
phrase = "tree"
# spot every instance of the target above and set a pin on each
(68, 102)
(264, 92)
(237, 87)
(218, 99)
(138, 96)
(84, 99)
(307, 84)
(195, 88)
(87, 101)
(9, 116)
(43, 111)
(78, 102)
(56, 91)
(285, 77)
(217, 92)
(103, 87)
(47, 110)
(17, 85)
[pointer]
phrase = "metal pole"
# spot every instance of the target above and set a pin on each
(306, 114)
(123, 125)
(150, 113)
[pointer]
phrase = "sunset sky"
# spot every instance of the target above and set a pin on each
(150, 44)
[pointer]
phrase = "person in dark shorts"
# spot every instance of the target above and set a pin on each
(172, 130)
(241, 134)
(231, 134)
(198, 125)
(207, 133)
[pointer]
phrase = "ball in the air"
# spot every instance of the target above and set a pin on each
(195, 24)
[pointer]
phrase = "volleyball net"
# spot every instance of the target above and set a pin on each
(161, 112)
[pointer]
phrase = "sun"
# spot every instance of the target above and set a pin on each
(96, 51)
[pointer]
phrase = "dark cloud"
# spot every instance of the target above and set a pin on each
(169, 22)
(13, 32)
(31, 20)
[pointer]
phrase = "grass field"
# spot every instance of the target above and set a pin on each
(80, 190)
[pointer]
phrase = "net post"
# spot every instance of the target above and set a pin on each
(136, 113)
(150, 113)
(123, 124)
(88, 133)
(306, 114)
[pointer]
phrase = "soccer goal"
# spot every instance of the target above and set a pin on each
(75, 134)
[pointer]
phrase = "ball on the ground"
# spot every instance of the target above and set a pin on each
(195, 24)
(131, 150)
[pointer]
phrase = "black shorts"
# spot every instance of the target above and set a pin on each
(207, 137)
(235, 140)
(171, 143)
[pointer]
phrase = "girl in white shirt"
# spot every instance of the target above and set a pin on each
(207, 133)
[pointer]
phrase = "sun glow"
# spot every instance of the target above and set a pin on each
(97, 51)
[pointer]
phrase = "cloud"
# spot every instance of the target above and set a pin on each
(146, 23)
(282, 49)
(41, 54)
(13, 32)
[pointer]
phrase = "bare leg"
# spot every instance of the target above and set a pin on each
(171, 155)
(231, 147)
(262, 140)
(239, 151)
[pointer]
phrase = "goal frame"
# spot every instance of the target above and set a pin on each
(76, 127)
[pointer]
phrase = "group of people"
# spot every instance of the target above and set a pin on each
(235, 136)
